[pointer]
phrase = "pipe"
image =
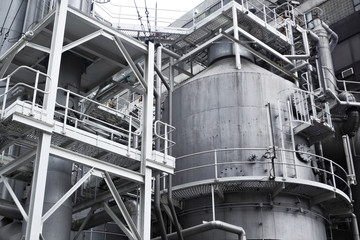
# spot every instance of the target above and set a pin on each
(323, 48)
(169, 196)
(94, 220)
(354, 226)
(207, 226)
(313, 36)
(158, 213)
(334, 38)
(9, 210)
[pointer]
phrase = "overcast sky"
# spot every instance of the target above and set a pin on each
(124, 11)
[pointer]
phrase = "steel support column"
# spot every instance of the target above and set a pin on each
(236, 36)
(146, 148)
(55, 57)
(34, 225)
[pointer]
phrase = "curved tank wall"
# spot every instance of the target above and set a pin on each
(224, 108)
(258, 216)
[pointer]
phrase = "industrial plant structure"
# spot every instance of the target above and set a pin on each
(233, 122)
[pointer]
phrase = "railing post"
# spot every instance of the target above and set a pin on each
(165, 143)
(332, 173)
(213, 202)
(5, 96)
(216, 166)
(292, 137)
(35, 92)
(66, 109)
(265, 17)
(129, 138)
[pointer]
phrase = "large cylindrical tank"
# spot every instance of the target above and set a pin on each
(224, 108)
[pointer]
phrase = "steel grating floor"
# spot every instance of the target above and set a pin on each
(243, 184)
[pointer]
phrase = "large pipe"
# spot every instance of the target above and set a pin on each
(9, 210)
(324, 50)
(334, 38)
(207, 226)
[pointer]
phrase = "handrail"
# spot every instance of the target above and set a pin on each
(337, 173)
(345, 90)
(35, 88)
(96, 124)
(168, 143)
(86, 98)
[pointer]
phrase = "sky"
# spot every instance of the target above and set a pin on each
(120, 12)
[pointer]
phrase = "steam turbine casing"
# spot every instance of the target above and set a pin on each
(224, 108)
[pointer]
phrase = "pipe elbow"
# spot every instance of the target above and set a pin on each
(334, 38)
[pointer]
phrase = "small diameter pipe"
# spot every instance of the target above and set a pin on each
(157, 206)
(169, 197)
(207, 226)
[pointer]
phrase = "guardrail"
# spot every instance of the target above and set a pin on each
(343, 87)
(212, 164)
(162, 131)
(86, 119)
(28, 91)
(306, 108)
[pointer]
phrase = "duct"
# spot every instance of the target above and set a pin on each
(324, 51)
(9, 210)
(334, 38)
(354, 226)
(207, 226)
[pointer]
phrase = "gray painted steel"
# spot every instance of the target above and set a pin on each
(58, 226)
(223, 107)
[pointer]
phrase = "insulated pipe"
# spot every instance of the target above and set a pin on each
(313, 36)
(334, 38)
(325, 57)
(207, 226)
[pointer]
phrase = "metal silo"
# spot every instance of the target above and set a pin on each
(222, 131)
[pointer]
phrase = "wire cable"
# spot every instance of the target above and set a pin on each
(2, 27)
(147, 17)
(139, 17)
(12, 22)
